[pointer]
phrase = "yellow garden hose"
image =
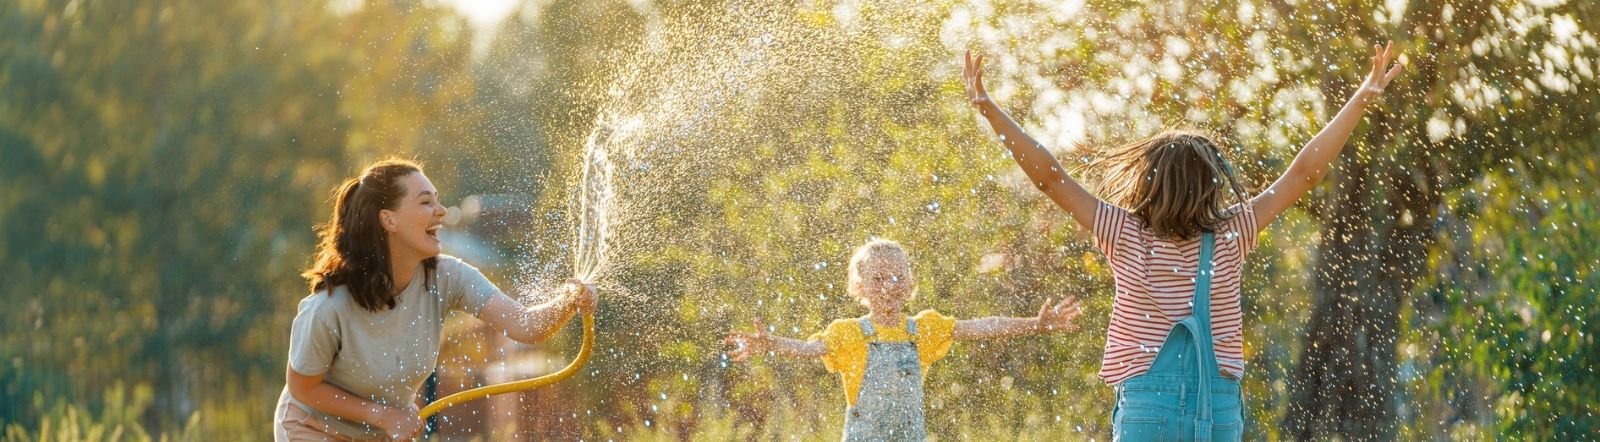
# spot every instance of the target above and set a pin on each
(526, 384)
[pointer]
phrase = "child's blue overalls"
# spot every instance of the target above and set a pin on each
(889, 405)
(1167, 403)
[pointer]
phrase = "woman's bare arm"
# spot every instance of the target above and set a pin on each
(400, 423)
(537, 323)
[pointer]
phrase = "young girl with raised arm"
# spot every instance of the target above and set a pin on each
(881, 357)
(1177, 246)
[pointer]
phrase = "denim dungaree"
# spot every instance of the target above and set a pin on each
(1183, 396)
(889, 404)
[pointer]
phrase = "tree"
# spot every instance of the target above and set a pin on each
(1472, 105)
(165, 164)
(144, 158)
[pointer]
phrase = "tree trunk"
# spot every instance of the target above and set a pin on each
(1342, 382)
(1377, 227)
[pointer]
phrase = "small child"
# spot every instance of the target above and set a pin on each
(1177, 250)
(881, 357)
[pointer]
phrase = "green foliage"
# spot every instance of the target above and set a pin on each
(143, 162)
(118, 420)
(1508, 322)
(163, 168)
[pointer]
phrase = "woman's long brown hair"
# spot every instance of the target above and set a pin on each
(354, 249)
(1176, 183)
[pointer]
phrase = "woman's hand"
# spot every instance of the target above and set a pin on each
(581, 295)
(1378, 78)
(748, 344)
(972, 76)
(400, 423)
(1058, 317)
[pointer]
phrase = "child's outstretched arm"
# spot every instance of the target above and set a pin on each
(1052, 318)
(1037, 162)
(1311, 165)
(759, 342)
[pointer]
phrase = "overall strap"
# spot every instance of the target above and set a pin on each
(1202, 292)
(868, 330)
(1202, 336)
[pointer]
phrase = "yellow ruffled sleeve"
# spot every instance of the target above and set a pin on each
(847, 347)
(847, 354)
(934, 331)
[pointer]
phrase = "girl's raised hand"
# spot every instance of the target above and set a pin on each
(972, 76)
(1381, 73)
(1060, 316)
(750, 344)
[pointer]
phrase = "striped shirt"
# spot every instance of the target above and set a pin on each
(1155, 287)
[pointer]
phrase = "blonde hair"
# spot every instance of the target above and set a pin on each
(881, 250)
(1175, 182)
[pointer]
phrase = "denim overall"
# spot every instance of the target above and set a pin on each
(889, 405)
(1183, 396)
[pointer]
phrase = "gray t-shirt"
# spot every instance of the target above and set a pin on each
(382, 356)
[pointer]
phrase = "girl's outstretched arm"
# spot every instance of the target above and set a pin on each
(1311, 165)
(1052, 317)
(1041, 167)
(759, 342)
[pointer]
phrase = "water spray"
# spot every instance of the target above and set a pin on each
(594, 203)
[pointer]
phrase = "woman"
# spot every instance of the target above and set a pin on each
(368, 336)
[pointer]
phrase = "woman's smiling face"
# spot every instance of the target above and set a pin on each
(414, 223)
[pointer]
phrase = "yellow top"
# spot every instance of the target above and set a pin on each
(847, 345)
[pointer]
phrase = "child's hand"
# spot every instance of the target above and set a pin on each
(1378, 79)
(748, 344)
(1058, 317)
(972, 76)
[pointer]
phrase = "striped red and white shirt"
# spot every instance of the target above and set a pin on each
(1155, 287)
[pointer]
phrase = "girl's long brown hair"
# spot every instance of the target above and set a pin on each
(354, 249)
(1176, 183)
